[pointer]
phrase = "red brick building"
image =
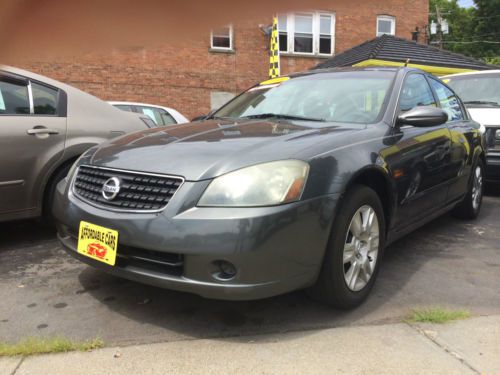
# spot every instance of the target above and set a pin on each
(195, 77)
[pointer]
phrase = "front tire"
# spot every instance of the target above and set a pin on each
(470, 207)
(353, 255)
(59, 175)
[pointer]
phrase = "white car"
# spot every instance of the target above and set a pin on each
(480, 92)
(161, 116)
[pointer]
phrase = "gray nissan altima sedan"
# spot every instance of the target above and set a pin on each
(299, 182)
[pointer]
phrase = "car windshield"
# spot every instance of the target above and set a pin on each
(482, 89)
(354, 97)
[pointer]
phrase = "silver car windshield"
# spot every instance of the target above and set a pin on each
(353, 97)
(477, 88)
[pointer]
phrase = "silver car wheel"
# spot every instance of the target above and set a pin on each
(477, 187)
(361, 248)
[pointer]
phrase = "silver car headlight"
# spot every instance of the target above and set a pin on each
(265, 184)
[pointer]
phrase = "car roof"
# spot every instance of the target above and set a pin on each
(356, 69)
(139, 104)
(494, 71)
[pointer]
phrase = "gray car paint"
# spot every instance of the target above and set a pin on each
(275, 249)
(28, 161)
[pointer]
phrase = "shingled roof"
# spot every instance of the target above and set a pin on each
(391, 48)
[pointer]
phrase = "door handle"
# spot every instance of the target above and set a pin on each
(42, 130)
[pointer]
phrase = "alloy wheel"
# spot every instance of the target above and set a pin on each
(477, 187)
(361, 248)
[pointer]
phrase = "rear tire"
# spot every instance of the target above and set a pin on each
(352, 248)
(470, 207)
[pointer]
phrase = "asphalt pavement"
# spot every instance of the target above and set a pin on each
(45, 292)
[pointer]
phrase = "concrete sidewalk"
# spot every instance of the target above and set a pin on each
(465, 347)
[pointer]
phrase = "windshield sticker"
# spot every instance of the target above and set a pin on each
(2, 103)
(274, 80)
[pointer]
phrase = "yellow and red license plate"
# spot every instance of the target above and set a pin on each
(98, 243)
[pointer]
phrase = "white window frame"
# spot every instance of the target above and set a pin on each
(231, 40)
(316, 17)
(391, 19)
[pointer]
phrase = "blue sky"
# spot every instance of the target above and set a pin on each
(465, 3)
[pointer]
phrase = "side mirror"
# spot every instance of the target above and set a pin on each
(425, 116)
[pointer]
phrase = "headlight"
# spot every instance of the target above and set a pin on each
(259, 185)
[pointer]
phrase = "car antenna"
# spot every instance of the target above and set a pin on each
(407, 62)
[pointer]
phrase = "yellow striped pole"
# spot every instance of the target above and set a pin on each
(274, 51)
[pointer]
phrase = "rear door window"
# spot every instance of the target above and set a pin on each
(14, 98)
(448, 100)
(45, 99)
(158, 115)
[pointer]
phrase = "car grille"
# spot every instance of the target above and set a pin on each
(138, 191)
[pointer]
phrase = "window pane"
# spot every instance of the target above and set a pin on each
(416, 92)
(13, 99)
(221, 42)
(303, 43)
(325, 45)
(282, 22)
(448, 100)
(124, 107)
(167, 119)
(223, 31)
(44, 99)
(152, 113)
(283, 42)
(384, 26)
(325, 25)
(303, 24)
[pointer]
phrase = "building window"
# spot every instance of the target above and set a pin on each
(283, 32)
(386, 25)
(222, 38)
(325, 34)
(310, 33)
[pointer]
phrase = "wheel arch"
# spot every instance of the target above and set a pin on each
(378, 179)
(63, 164)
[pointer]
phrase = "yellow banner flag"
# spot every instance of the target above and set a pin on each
(274, 51)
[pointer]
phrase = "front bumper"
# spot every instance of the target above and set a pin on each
(274, 249)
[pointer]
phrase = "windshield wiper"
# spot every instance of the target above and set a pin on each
(283, 116)
(485, 102)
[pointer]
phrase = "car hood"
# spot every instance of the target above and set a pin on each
(204, 150)
(485, 116)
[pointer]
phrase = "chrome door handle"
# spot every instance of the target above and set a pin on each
(35, 131)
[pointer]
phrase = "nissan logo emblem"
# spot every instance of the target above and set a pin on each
(111, 188)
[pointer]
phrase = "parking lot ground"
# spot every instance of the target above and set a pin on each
(44, 292)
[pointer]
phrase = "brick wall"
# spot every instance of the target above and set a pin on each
(183, 77)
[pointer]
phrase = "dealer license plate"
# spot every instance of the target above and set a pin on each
(98, 243)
